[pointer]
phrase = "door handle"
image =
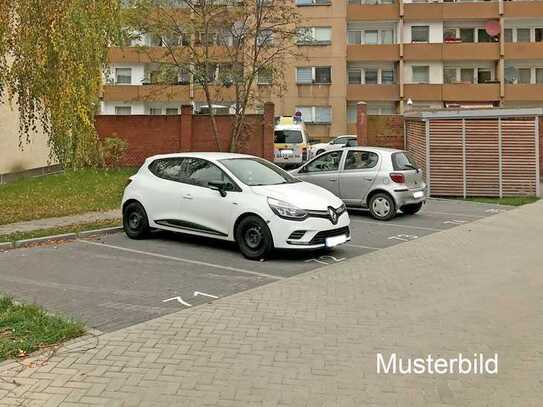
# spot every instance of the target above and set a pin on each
(368, 178)
(187, 196)
(332, 180)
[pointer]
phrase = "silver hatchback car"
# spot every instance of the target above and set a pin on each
(380, 179)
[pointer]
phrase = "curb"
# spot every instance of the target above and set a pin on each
(66, 236)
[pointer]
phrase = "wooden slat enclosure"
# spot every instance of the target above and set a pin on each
(472, 156)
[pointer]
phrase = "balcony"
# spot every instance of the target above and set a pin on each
(514, 9)
(422, 91)
(314, 91)
(362, 52)
(479, 51)
(451, 11)
(373, 12)
(152, 93)
(524, 92)
(422, 52)
(373, 93)
(523, 50)
(468, 92)
(155, 54)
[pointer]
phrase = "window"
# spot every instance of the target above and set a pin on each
(123, 76)
(387, 36)
(312, 2)
(370, 76)
(538, 35)
(314, 35)
(467, 75)
(354, 37)
(316, 114)
(387, 76)
(508, 35)
(355, 76)
(523, 35)
(319, 75)
(288, 137)
(371, 37)
(449, 75)
(265, 37)
(184, 77)
(484, 75)
(360, 160)
(264, 77)
(420, 33)
(467, 35)
(539, 75)
(482, 36)
(167, 168)
(449, 34)
(403, 161)
(172, 111)
(201, 172)
(381, 108)
(421, 74)
(524, 75)
(123, 110)
(326, 162)
(256, 171)
(155, 111)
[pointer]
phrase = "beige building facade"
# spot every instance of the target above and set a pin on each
(397, 56)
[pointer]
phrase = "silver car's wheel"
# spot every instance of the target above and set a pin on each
(382, 206)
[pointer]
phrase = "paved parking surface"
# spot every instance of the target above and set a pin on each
(112, 282)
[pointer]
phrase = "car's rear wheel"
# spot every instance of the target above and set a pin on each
(135, 221)
(382, 206)
(319, 152)
(254, 238)
(411, 209)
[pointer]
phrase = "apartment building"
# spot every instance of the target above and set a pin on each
(395, 55)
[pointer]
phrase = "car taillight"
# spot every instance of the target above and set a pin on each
(397, 177)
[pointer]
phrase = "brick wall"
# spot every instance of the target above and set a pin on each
(149, 135)
(386, 131)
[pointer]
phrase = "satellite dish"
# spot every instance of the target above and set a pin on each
(493, 28)
(510, 74)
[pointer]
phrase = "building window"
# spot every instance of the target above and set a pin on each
(523, 35)
(371, 37)
(482, 36)
(508, 35)
(171, 111)
(387, 76)
(314, 36)
(387, 36)
(484, 75)
(123, 76)
(358, 2)
(315, 114)
(467, 35)
(449, 75)
(538, 35)
(524, 75)
(155, 111)
(317, 75)
(370, 76)
(420, 33)
(312, 2)
(467, 75)
(264, 77)
(265, 37)
(355, 76)
(539, 75)
(421, 74)
(123, 110)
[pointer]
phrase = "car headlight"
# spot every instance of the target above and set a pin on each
(285, 210)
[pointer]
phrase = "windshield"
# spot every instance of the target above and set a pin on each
(288, 137)
(402, 161)
(256, 171)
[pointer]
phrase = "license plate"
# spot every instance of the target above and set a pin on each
(335, 240)
(418, 194)
(287, 153)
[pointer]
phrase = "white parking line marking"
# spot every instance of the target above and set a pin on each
(197, 293)
(396, 225)
(181, 259)
(359, 246)
(179, 300)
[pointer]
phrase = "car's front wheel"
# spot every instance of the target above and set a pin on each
(135, 221)
(382, 206)
(254, 238)
(411, 209)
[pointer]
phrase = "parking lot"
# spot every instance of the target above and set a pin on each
(111, 282)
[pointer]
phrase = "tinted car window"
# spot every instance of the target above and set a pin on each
(255, 171)
(167, 168)
(288, 136)
(201, 172)
(402, 161)
(325, 162)
(359, 160)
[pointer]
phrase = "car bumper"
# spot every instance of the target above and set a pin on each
(310, 233)
(409, 196)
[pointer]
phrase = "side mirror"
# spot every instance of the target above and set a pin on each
(219, 186)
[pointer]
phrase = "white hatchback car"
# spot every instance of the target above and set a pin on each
(232, 197)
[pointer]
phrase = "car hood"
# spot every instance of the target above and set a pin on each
(319, 145)
(302, 194)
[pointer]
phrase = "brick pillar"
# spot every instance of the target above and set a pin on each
(268, 120)
(185, 136)
(362, 123)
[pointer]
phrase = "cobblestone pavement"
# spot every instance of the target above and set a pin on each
(47, 223)
(312, 340)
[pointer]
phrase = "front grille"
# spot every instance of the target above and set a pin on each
(296, 235)
(320, 237)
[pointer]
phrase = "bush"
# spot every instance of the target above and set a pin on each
(112, 149)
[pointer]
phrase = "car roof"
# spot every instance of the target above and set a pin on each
(346, 135)
(213, 156)
(375, 149)
(289, 127)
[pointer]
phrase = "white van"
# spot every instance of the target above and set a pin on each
(291, 142)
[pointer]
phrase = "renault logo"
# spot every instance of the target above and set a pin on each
(333, 215)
